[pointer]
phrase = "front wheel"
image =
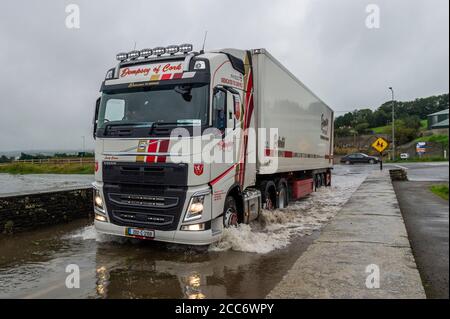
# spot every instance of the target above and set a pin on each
(230, 213)
(269, 195)
(372, 161)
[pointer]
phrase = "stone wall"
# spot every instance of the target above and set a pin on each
(29, 211)
(361, 142)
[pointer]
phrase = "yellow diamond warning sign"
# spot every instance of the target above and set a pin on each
(380, 144)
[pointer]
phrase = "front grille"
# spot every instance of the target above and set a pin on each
(143, 200)
(134, 199)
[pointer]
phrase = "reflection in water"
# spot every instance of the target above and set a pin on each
(192, 287)
(102, 281)
(154, 270)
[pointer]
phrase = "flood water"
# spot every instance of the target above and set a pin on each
(12, 183)
(247, 263)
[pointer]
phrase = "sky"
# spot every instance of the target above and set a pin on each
(51, 74)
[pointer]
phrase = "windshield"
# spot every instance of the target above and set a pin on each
(178, 105)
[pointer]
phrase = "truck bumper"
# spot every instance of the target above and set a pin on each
(179, 237)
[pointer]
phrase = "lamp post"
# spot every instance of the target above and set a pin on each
(393, 124)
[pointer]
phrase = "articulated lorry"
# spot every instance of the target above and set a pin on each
(190, 143)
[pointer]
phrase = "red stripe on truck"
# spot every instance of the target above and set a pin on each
(218, 178)
(152, 146)
(163, 147)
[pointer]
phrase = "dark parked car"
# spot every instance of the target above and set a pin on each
(359, 158)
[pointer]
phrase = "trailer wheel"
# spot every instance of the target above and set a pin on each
(316, 182)
(328, 179)
(230, 213)
(269, 195)
(282, 190)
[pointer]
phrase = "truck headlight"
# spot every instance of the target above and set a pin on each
(98, 201)
(196, 206)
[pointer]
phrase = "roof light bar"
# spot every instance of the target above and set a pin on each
(158, 51)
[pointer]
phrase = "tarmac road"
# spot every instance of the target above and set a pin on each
(433, 171)
(427, 221)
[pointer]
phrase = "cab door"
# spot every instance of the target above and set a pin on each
(227, 122)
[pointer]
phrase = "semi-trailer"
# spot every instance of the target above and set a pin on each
(190, 143)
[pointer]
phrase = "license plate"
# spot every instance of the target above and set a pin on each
(136, 232)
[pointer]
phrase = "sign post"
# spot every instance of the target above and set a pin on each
(421, 148)
(380, 145)
(381, 161)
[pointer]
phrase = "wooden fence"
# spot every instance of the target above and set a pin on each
(77, 160)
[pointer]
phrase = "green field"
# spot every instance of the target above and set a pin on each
(423, 125)
(419, 159)
(440, 190)
(442, 139)
(381, 129)
(28, 168)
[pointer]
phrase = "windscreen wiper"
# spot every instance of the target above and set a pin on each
(124, 128)
(112, 124)
(180, 123)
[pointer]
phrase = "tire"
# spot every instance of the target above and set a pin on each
(282, 194)
(318, 181)
(328, 179)
(230, 213)
(371, 161)
(347, 162)
(268, 193)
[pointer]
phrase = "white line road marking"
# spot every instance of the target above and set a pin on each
(403, 167)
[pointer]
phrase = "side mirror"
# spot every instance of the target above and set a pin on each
(97, 107)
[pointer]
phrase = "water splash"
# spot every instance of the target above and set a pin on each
(274, 229)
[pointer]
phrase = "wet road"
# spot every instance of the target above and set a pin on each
(422, 172)
(427, 222)
(247, 263)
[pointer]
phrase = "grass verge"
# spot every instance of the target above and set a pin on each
(440, 190)
(28, 168)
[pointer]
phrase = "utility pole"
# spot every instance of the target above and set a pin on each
(393, 124)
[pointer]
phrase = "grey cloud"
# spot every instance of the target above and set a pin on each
(51, 75)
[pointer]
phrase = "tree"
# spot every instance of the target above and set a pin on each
(5, 159)
(417, 109)
(406, 130)
(362, 128)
